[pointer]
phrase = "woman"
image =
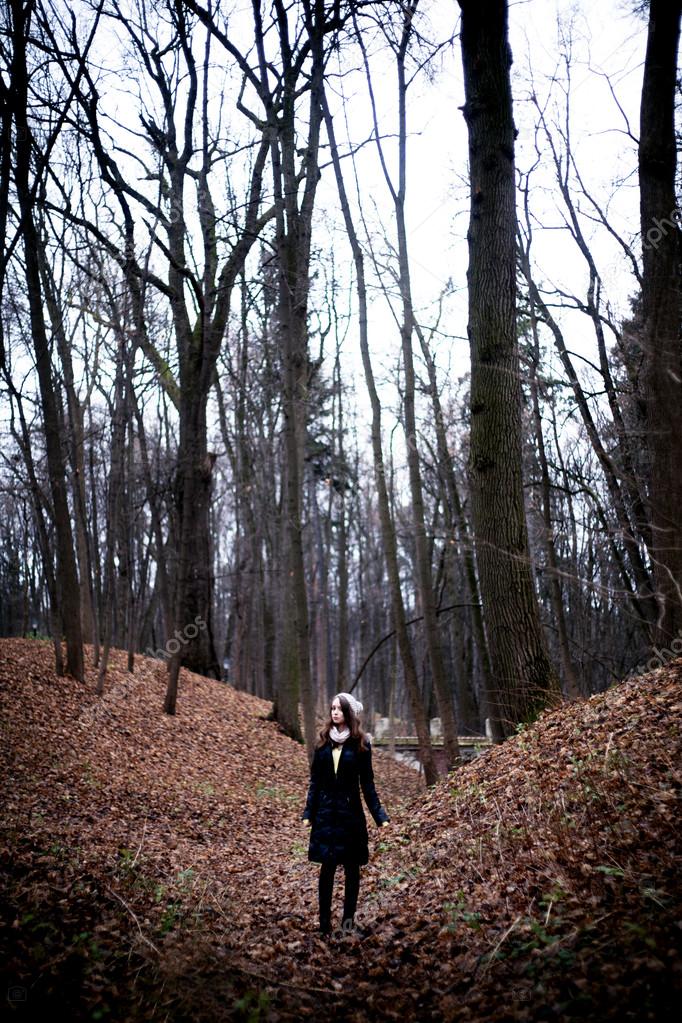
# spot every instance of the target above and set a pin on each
(342, 764)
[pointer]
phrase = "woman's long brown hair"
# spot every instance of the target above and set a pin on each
(351, 720)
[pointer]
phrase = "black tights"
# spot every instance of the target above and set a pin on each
(352, 887)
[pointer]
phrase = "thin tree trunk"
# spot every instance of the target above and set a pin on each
(425, 585)
(571, 689)
(643, 591)
(293, 221)
(108, 613)
(454, 505)
(342, 659)
(53, 617)
(67, 575)
(77, 453)
(387, 530)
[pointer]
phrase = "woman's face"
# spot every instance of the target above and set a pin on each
(337, 713)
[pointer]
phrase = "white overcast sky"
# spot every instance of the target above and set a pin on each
(607, 40)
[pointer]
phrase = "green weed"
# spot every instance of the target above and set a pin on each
(253, 1006)
(275, 792)
(460, 915)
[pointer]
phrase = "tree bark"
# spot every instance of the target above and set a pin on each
(662, 310)
(293, 230)
(524, 680)
(67, 575)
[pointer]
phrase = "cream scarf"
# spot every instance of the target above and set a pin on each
(339, 737)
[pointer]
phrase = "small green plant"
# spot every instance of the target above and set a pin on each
(275, 792)
(473, 791)
(661, 898)
(522, 735)
(130, 871)
(610, 871)
(170, 918)
(539, 936)
(185, 877)
(459, 914)
(253, 1006)
(85, 943)
(89, 776)
(616, 760)
(638, 931)
(404, 875)
(554, 895)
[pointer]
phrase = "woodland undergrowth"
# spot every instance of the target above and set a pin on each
(155, 867)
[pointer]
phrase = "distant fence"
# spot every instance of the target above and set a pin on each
(469, 746)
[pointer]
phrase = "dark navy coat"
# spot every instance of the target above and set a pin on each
(339, 830)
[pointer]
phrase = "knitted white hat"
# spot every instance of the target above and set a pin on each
(355, 705)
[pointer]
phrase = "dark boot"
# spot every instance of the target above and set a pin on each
(325, 925)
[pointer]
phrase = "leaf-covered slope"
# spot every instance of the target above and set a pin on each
(156, 867)
(548, 871)
(209, 786)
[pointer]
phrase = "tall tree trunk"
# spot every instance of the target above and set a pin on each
(342, 658)
(662, 309)
(457, 520)
(423, 568)
(155, 514)
(44, 545)
(192, 643)
(57, 321)
(114, 500)
(387, 529)
(293, 219)
(571, 688)
(427, 595)
(524, 680)
(67, 575)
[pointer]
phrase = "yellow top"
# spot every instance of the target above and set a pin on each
(336, 756)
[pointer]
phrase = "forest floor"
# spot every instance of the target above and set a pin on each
(155, 867)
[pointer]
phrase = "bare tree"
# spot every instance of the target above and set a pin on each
(27, 182)
(387, 528)
(407, 325)
(199, 296)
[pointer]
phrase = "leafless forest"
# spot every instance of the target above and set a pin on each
(237, 434)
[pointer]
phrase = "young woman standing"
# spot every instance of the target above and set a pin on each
(342, 765)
